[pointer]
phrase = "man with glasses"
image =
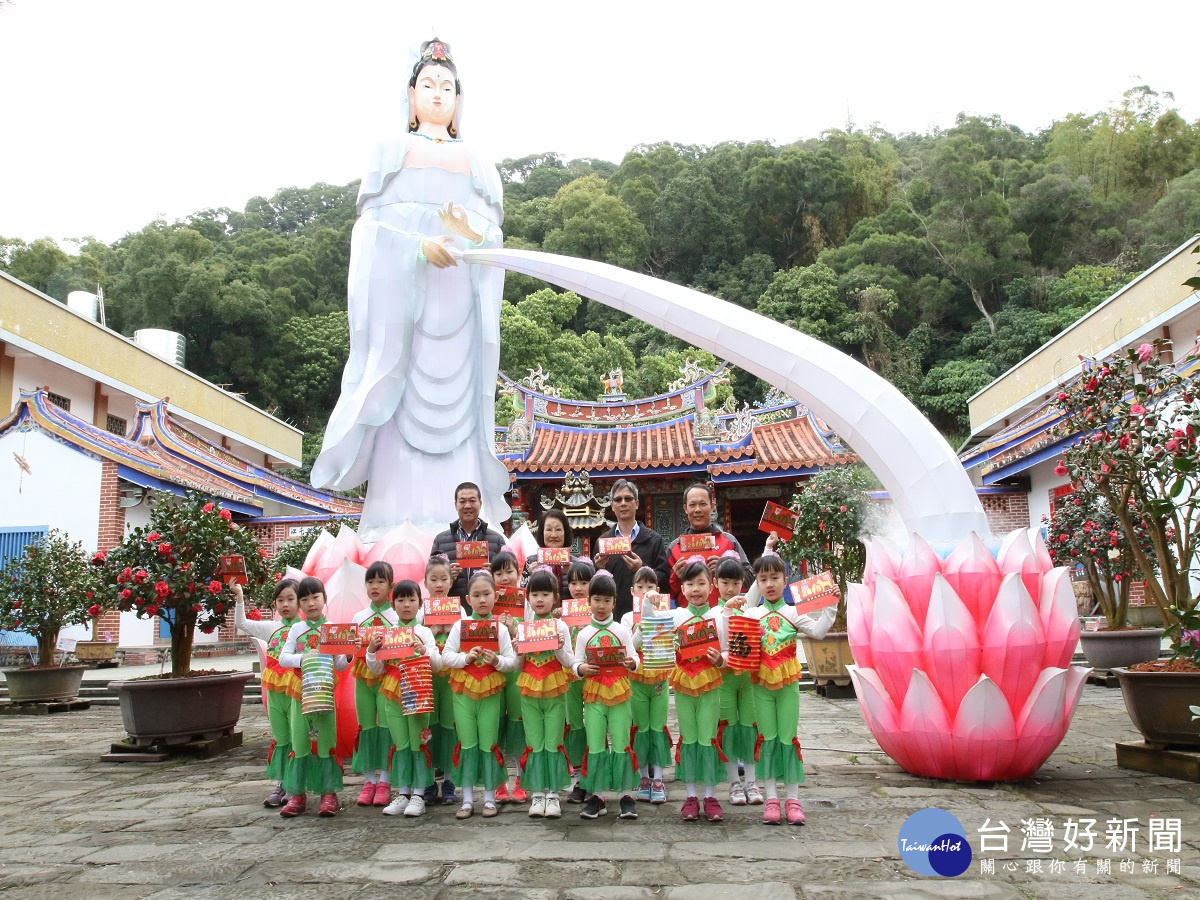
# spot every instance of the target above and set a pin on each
(646, 547)
(698, 506)
(468, 527)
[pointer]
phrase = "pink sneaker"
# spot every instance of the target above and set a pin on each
(383, 794)
(329, 805)
(795, 813)
(712, 810)
(690, 809)
(366, 797)
(771, 812)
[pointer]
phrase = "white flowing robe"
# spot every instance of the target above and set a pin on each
(416, 415)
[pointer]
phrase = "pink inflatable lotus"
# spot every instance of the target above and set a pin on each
(964, 664)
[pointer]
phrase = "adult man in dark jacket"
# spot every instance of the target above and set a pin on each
(698, 505)
(646, 545)
(468, 527)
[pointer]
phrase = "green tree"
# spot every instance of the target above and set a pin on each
(806, 298)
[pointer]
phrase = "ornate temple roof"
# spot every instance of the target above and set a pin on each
(161, 454)
(673, 432)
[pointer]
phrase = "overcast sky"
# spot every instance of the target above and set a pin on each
(118, 111)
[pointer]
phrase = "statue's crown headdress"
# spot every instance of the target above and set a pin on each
(435, 51)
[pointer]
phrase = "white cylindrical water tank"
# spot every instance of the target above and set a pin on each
(84, 303)
(167, 345)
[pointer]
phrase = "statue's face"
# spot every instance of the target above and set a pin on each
(433, 99)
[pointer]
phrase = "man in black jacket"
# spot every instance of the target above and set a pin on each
(647, 548)
(468, 527)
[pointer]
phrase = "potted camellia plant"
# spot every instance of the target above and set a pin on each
(834, 516)
(1135, 419)
(168, 569)
(51, 584)
(1084, 532)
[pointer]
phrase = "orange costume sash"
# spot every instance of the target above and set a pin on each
(542, 676)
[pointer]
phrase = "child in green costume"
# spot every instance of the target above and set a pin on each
(322, 773)
(373, 742)
(651, 703)
(409, 732)
(608, 764)
(736, 697)
(579, 576)
(506, 572)
(543, 681)
(477, 680)
(281, 685)
(438, 582)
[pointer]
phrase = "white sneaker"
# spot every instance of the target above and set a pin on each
(416, 806)
(553, 809)
(737, 794)
(396, 807)
(537, 808)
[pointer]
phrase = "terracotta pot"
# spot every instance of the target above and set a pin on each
(58, 683)
(176, 710)
(1112, 649)
(828, 658)
(95, 651)
(1159, 703)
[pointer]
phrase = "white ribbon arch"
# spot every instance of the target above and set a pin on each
(929, 487)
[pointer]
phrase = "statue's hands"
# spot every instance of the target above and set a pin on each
(436, 251)
(454, 217)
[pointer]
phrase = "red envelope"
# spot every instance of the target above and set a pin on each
(537, 636)
(576, 613)
(441, 610)
(509, 600)
(693, 639)
(745, 643)
(615, 546)
(697, 543)
(232, 569)
(778, 519)
(339, 639)
(814, 593)
(554, 556)
(478, 633)
(607, 659)
(400, 642)
(471, 554)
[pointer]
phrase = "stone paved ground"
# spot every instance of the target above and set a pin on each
(73, 826)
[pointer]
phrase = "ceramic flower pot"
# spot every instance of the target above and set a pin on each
(1160, 705)
(176, 710)
(40, 685)
(828, 658)
(1113, 649)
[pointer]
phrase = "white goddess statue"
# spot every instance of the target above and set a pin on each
(416, 414)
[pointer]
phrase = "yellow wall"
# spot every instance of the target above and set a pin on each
(36, 320)
(1119, 319)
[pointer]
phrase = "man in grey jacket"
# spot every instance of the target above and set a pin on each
(468, 527)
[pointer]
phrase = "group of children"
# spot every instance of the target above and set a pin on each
(588, 710)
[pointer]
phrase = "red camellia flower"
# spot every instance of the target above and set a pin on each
(191, 587)
(208, 507)
(1061, 396)
(214, 587)
(1091, 385)
(140, 575)
(262, 552)
(151, 610)
(278, 576)
(1137, 410)
(1124, 442)
(162, 588)
(126, 594)
(88, 594)
(197, 607)
(99, 558)
(94, 610)
(253, 614)
(16, 603)
(207, 629)
(164, 548)
(1060, 470)
(152, 537)
(226, 515)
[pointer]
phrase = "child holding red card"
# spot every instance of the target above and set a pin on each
(438, 582)
(777, 688)
(507, 573)
(579, 577)
(696, 680)
(543, 682)
(736, 697)
(410, 757)
(281, 685)
(373, 743)
(607, 698)
(651, 704)
(477, 680)
(321, 774)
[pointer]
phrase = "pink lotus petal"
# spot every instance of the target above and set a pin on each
(915, 578)
(880, 714)
(1016, 555)
(346, 592)
(294, 574)
(524, 543)
(985, 734)
(883, 558)
(925, 731)
(1040, 550)
(860, 607)
(1013, 641)
(347, 546)
(1077, 677)
(951, 645)
(1060, 618)
(1040, 724)
(896, 646)
(406, 549)
(314, 562)
(975, 576)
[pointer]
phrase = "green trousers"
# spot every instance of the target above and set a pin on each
(651, 703)
(410, 766)
(737, 712)
(304, 772)
(778, 716)
(373, 744)
(576, 739)
(478, 725)
(608, 769)
(513, 740)
(698, 760)
(279, 714)
(545, 764)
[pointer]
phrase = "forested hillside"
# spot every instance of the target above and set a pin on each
(937, 259)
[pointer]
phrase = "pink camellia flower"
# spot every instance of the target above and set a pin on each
(164, 548)
(207, 507)
(1060, 470)
(1124, 442)
(1173, 445)
(1062, 396)
(963, 669)
(226, 515)
(1145, 351)
(1137, 410)
(841, 509)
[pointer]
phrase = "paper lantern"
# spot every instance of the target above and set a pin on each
(416, 686)
(316, 684)
(964, 667)
(745, 643)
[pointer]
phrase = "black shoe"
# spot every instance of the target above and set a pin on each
(431, 795)
(577, 795)
(594, 809)
(448, 791)
(628, 808)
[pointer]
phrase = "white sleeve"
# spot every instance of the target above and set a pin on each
(288, 657)
(452, 657)
(585, 634)
(722, 623)
(816, 627)
(431, 647)
(630, 650)
(506, 659)
(375, 665)
(566, 653)
(262, 629)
